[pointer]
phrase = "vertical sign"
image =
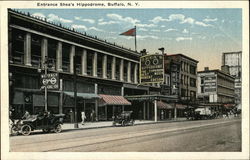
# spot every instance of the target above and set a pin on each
(152, 69)
(50, 80)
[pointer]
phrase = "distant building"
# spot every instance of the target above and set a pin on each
(183, 76)
(215, 86)
(234, 61)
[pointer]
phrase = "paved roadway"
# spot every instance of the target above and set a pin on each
(204, 135)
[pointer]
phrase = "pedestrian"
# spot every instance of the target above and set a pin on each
(92, 116)
(83, 116)
(26, 115)
(140, 115)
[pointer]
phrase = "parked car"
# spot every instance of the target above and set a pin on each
(45, 122)
(124, 119)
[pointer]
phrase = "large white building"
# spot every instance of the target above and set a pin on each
(215, 86)
(234, 61)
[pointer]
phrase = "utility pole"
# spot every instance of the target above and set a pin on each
(45, 86)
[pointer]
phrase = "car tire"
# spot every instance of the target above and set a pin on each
(46, 130)
(58, 128)
(123, 123)
(26, 130)
(14, 130)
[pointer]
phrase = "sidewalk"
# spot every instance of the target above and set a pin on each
(104, 124)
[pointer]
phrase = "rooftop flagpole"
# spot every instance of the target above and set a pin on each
(135, 40)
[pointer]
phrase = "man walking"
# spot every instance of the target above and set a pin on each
(83, 116)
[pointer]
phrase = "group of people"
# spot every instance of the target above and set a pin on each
(92, 116)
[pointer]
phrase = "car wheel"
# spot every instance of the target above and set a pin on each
(58, 128)
(26, 130)
(123, 123)
(46, 130)
(14, 130)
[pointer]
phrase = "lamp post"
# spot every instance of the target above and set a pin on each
(45, 64)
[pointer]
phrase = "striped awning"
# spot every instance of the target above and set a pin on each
(181, 106)
(163, 105)
(112, 100)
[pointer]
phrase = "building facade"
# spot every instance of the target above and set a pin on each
(215, 86)
(183, 76)
(105, 71)
(234, 61)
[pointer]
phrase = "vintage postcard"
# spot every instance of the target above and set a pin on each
(124, 80)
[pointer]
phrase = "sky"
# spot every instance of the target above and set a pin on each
(202, 34)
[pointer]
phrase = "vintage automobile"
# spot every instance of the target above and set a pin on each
(45, 122)
(124, 119)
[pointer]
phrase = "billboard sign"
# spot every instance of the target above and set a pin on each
(151, 69)
(51, 81)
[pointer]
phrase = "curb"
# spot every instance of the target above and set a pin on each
(150, 123)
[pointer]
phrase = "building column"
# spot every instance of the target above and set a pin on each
(129, 72)
(59, 57)
(96, 102)
(104, 66)
(44, 51)
(175, 112)
(94, 65)
(144, 110)
(135, 73)
(113, 68)
(27, 49)
(155, 109)
(71, 59)
(84, 62)
(121, 70)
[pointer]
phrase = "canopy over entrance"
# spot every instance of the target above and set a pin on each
(83, 95)
(163, 105)
(112, 100)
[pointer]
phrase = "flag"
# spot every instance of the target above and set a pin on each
(131, 32)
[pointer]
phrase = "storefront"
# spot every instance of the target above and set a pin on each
(111, 105)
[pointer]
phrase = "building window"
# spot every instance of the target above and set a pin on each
(202, 89)
(192, 82)
(192, 69)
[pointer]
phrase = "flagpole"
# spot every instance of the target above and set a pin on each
(135, 40)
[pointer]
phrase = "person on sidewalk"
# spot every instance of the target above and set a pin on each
(92, 116)
(83, 116)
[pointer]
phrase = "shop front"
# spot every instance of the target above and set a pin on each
(111, 105)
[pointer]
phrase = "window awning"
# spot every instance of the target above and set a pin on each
(180, 106)
(163, 105)
(83, 95)
(112, 100)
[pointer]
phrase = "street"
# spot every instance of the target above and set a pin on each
(188, 136)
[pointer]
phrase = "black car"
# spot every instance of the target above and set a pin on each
(125, 118)
(45, 122)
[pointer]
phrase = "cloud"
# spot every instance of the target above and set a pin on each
(170, 30)
(162, 26)
(142, 29)
(210, 20)
(183, 38)
(107, 23)
(203, 24)
(155, 30)
(75, 26)
(85, 20)
(158, 19)
(55, 18)
(185, 31)
(146, 37)
(39, 15)
(96, 29)
(188, 20)
(146, 25)
(120, 18)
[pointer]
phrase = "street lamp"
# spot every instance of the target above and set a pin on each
(45, 64)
